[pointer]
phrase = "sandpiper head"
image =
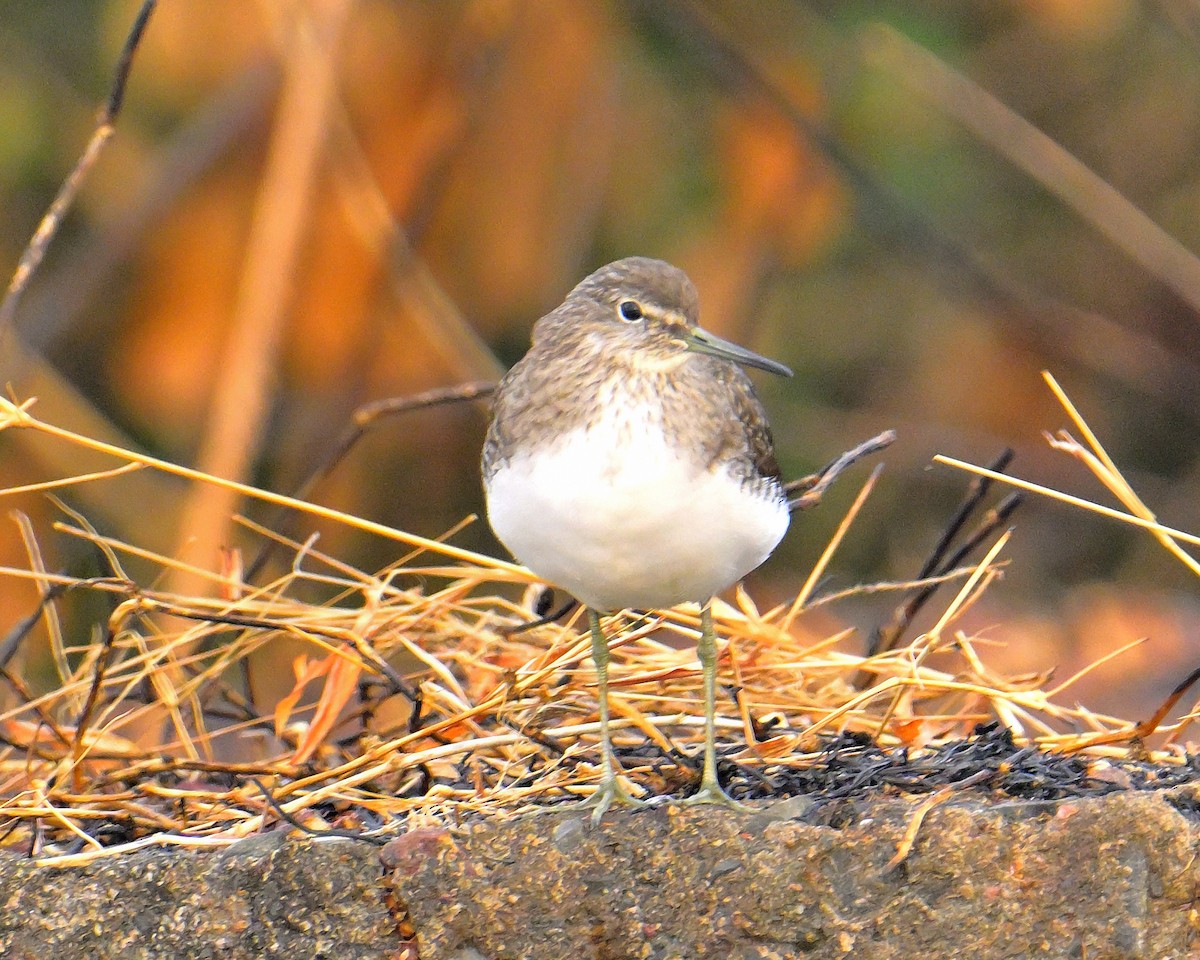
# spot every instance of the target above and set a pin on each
(650, 306)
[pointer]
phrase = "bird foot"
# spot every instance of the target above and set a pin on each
(609, 792)
(710, 792)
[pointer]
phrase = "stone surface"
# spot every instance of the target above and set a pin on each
(1095, 879)
(262, 897)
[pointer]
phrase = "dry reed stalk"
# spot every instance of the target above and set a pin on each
(448, 713)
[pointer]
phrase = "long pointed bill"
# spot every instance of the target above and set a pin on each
(701, 341)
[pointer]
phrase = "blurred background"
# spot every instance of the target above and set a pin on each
(312, 204)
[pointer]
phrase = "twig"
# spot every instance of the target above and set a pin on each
(810, 583)
(286, 817)
(1133, 521)
(89, 705)
(887, 586)
(1148, 726)
(1106, 471)
(904, 848)
(1142, 730)
(21, 629)
(813, 486)
(44, 715)
(362, 421)
(18, 417)
(885, 638)
(35, 250)
(72, 481)
(977, 489)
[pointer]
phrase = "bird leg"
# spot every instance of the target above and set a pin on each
(710, 787)
(610, 790)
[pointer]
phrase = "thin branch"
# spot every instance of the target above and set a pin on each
(885, 638)
(23, 627)
(815, 484)
(362, 421)
(35, 251)
(17, 416)
(1133, 521)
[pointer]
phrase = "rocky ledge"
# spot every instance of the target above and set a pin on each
(1088, 879)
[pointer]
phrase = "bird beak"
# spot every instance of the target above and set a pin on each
(701, 341)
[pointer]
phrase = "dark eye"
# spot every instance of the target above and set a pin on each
(630, 310)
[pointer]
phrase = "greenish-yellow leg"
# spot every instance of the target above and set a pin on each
(710, 787)
(610, 790)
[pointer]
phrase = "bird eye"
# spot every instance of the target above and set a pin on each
(630, 310)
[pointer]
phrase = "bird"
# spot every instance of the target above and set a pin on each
(629, 462)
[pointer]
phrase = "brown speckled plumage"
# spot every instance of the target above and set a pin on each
(581, 345)
(629, 462)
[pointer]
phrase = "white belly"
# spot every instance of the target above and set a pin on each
(612, 516)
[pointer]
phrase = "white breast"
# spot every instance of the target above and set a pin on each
(617, 518)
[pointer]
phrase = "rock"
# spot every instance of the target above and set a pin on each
(1085, 879)
(1094, 879)
(262, 897)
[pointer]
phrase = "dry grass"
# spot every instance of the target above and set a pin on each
(413, 698)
